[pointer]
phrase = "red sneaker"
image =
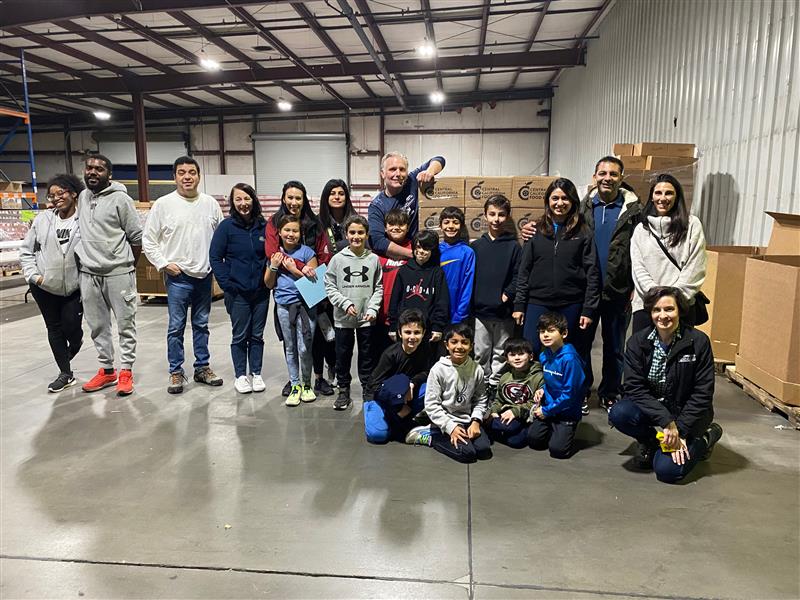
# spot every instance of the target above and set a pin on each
(100, 381)
(125, 383)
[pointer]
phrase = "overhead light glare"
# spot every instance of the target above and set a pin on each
(437, 97)
(102, 115)
(209, 64)
(426, 50)
(284, 104)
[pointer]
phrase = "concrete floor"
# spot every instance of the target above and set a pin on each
(213, 494)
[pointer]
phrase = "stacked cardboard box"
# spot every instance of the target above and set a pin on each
(645, 160)
(436, 195)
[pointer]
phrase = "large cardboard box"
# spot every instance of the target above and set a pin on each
(623, 149)
(11, 187)
(529, 191)
(479, 189)
(662, 149)
(635, 163)
(429, 217)
(443, 191)
(668, 164)
(476, 222)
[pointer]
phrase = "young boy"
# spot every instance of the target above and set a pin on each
(396, 224)
(353, 285)
(558, 411)
(497, 256)
(458, 261)
(507, 421)
(399, 383)
(455, 400)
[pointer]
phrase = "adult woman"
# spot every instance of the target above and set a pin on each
(669, 384)
(48, 263)
(558, 270)
(238, 262)
(667, 248)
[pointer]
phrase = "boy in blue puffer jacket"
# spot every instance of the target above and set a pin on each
(557, 408)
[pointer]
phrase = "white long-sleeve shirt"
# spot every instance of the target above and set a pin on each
(179, 230)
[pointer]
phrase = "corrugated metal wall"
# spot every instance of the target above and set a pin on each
(723, 74)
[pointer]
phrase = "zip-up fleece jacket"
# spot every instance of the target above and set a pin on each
(423, 287)
(354, 281)
(395, 361)
(455, 394)
(515, 392)
(458, 263)
(40, 256)
(555, 271)
(237, 256)
(563, 383)
(109, 226)
(689, 377)
(618, 282)
(496, 266)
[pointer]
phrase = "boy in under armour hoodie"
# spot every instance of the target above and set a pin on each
(353, 283)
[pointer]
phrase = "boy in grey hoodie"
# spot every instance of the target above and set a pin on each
(110, 243)
(456, 402)
(353, 283)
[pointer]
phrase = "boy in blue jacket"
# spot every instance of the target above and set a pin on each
(557, 408)
(457, 261)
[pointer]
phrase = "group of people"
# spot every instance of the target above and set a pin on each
(419, 308)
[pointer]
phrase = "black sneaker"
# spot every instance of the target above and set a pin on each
(421, 418)
(63, 381)
(322, 386)
(644, 456)
(343, 400)
(287, 389)
(585, 407)
(713, 433)
(607, 403)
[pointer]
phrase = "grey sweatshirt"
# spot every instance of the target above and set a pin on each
(455, 394)
(354, 281)
(40, 256)
(109, 226)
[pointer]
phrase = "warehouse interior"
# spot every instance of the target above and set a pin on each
(217, 494)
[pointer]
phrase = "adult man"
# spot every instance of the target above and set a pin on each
(400, 190)
(110, 244)
(177, 238)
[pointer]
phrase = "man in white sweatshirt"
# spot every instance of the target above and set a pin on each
(176, 240)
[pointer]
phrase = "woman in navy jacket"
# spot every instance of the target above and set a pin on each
(669, 386)
(238, 262)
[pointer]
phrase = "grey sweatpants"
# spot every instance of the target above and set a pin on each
(101, 296)
(490, 335)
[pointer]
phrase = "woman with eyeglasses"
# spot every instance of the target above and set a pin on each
(48, 263)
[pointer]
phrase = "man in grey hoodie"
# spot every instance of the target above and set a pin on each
(110, 244)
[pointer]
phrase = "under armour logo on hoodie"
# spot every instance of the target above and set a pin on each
(349, 274)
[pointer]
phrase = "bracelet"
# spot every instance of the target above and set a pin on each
(274, 269)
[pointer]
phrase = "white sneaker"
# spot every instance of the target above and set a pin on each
(258, 384)
(242, 385)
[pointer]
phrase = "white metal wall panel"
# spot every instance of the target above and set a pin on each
(722, 74)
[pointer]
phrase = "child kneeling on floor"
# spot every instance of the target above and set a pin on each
(507, 419)
(554, 418)
(456, 402)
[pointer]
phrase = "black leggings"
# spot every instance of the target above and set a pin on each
(62, 317)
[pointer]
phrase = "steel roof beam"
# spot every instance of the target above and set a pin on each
(532, 38)
(482, 43)
(363, 8)
(426, 7)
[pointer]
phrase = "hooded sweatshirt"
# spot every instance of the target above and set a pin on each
(496, 266)
(458, 263)
(390, 267)
(563, 383)
(354, 281)
(422, 287)
(515, 391)
(41, 255)
(456, 394)
(109, 226)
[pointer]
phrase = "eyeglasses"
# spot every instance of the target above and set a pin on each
(57, 194)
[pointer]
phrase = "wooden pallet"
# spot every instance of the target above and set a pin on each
(720, 365)
(10, 272)
(767, 400)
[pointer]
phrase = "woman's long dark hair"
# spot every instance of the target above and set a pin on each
(574, 221)
(324, 202)
(255, 211)
(678, 215)
(309, 223)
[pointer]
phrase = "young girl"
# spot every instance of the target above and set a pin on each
(421, 284)
(458, 262)
(296, 321)
(558, 270)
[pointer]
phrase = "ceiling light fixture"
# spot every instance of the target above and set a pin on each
(209, 64)
(284, 104)
(437, 97)
(426, 50)
(102, 115)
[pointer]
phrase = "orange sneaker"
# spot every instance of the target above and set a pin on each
(100, 381)
(125, 383)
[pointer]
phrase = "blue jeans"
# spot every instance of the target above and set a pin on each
(531, 329)
(514, 435)
(248, 316)
(614, 317)
(184, 291)
(628, 418)
(297, 326)
(380, 427)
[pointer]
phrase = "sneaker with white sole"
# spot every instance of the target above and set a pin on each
(258, 383)
(419, 436)
(62, 382)
(294, 396)
(242, 385)
(307, 395)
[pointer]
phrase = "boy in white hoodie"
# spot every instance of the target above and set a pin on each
(456, 402)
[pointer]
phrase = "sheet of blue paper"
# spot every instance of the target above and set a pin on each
(313, 292)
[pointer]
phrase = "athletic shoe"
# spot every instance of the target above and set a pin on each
(322, 386)
(207, 376)
(419, 436)
(491, 390)
(307, 395)
(343, 400)
(422, 418)
(713, 433)
(125, 383)
(287, 389)
(63, 381)
(294, 396)
(100, 381)
(644, 456)
(607, 403)
(585, 407)
(176, 383)
(258, 384)
(242, 385)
